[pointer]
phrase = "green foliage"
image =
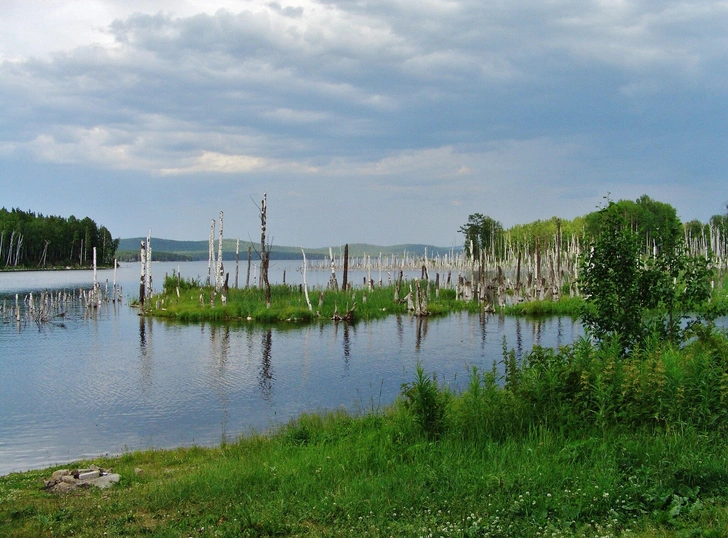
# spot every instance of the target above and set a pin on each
(611, 281)
(426, 402)
(628, 296)
(653, 223)
(543, 233)
(49, 241)
(484, 235)
(565, 306)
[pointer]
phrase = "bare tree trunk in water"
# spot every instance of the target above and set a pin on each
(264, 254)
(142, 280)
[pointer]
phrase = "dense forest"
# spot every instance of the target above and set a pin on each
(29, 241)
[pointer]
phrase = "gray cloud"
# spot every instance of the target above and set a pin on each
(455, 104)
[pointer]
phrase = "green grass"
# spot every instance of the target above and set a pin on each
(566, 306)
(288, 303)
(577, 441)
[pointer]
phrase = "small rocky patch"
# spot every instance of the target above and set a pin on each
(67, 480)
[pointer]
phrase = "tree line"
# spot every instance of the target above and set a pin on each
(655, 224)
(30, 240)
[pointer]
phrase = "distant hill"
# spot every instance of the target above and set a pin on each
(172, 250)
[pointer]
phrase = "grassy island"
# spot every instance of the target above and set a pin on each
(188, 300)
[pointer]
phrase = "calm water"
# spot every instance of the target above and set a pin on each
(113, 381)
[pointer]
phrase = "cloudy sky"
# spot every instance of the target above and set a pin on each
(364, 121)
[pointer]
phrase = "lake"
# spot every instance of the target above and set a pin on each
(106, 380)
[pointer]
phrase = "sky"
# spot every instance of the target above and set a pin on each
(384, 122)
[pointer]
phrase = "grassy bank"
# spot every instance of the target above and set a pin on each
(570, 442)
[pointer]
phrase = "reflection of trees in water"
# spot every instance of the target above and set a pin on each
(220, 361)
(559, 331)
(347, 346)
(483, 318)
(265, 377)
(537, 326)
(421, 332)
(142, 336)
(519, 338)
(145, 352)
(400, 330)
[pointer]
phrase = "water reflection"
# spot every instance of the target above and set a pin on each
(347, 346)
(265, 377)
(421, 332)
(192, 383)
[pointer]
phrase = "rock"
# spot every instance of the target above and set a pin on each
(104, 481)
(59, 473)
(89, 475)
(66, 481)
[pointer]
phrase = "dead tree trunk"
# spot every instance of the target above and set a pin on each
(142, 280)
(333, 284)
(42, 260)
(264, 254)
(210, 251)
(345, 281)
(237, 261)
(148, 275)
(247, 277)
(305, 287)
(219, 270)
(10, 249)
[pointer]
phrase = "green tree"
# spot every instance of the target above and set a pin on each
(628, 295)
(610, 281)
(655, 223)
(484, 235)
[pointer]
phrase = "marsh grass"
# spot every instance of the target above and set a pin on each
(580, 442)
(288, 303)
(566, 306)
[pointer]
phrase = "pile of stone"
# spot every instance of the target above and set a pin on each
(67, 480)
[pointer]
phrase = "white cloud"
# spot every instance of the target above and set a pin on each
(218, 163)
